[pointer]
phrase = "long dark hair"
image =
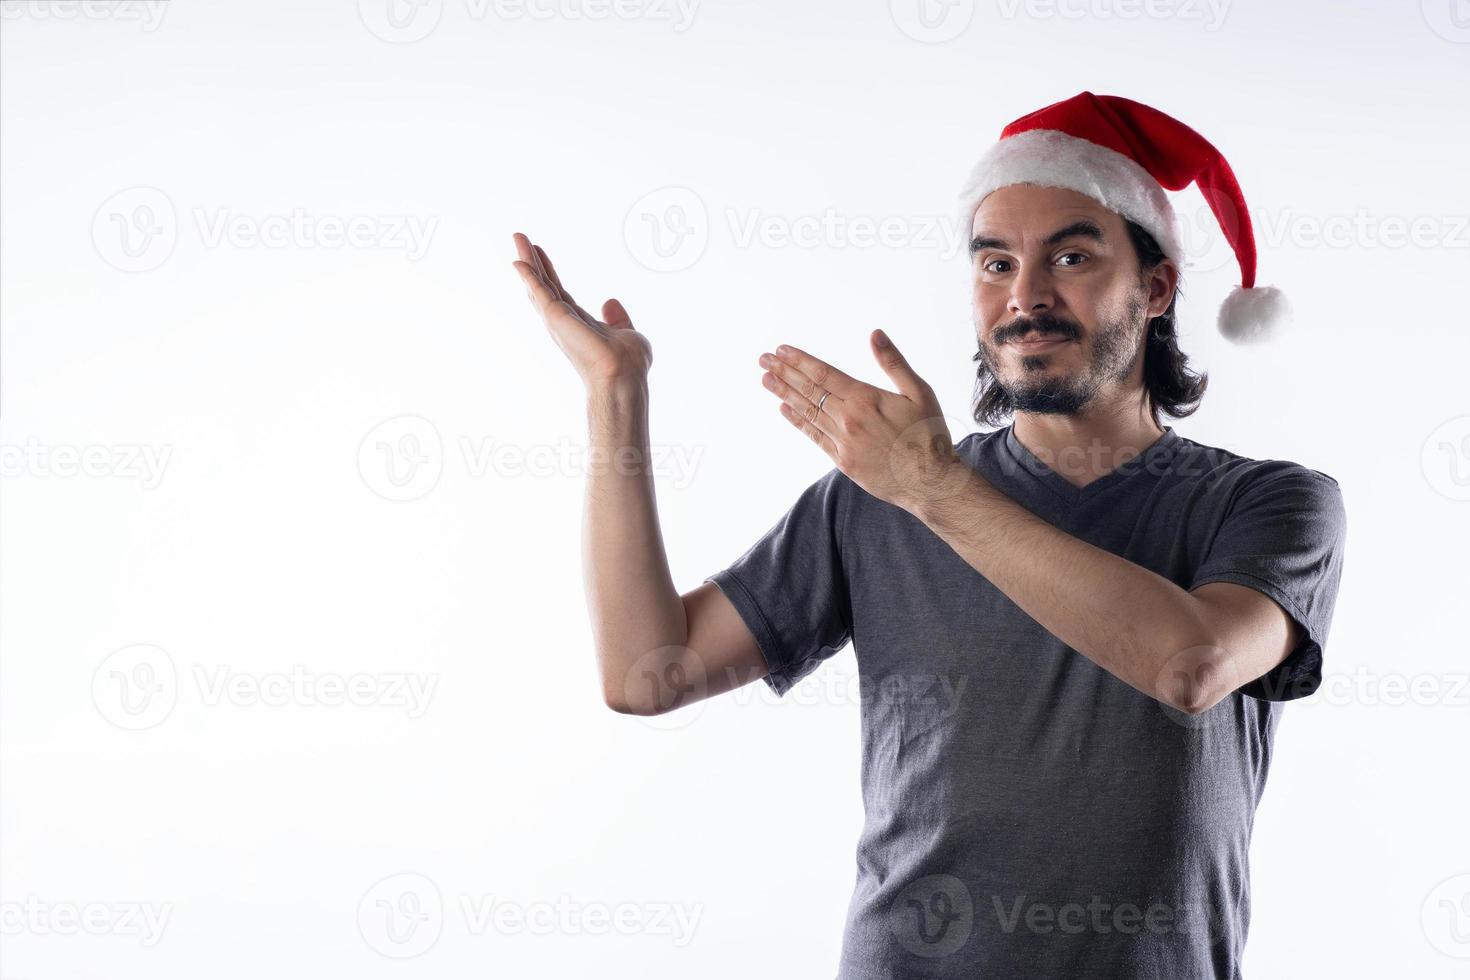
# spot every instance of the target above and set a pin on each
(1172, 387)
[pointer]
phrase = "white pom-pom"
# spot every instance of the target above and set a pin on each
(1249, 316)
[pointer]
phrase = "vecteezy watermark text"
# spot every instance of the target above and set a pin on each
(138, 229)
(138, 687)
(403, 916)
(670, 228)
(144, 921)
(403, 458)
(147, 13)
(409, 21)
(124, 461)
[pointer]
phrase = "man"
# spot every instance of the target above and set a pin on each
(1073, 633)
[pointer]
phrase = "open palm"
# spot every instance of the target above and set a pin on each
(601, 350)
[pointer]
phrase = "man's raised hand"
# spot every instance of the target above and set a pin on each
(601, 350)
(895, 445)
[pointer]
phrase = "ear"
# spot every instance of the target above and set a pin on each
(1162, 281)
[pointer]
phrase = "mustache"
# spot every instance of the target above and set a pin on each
(1044, 325)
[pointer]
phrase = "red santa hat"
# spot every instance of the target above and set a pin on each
(1124, 154)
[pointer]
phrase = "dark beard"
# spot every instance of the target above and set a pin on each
(1114, 352)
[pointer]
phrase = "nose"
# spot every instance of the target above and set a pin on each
(1031, 292)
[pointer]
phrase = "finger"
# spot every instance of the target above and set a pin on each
(819, 373)
(531, 257)
(615, 316)
(551, 271)
(812, 432)
(526, 253)
(536, 287)
(799, 403)
(896, 366)
(798, 386)
(548, 272)
(523, 247)
(540, 267)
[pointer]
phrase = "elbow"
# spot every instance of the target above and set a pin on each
(624, 707)
(618, 701)
(641, 688)
(617, 697)
(1196, 676)
(1193, 702)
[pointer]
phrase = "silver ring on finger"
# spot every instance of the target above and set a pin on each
(823, 398)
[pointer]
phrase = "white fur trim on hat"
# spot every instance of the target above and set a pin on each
(1052, 158)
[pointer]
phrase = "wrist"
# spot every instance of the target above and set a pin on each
(950, 481)
(617, 410)
(625, 390)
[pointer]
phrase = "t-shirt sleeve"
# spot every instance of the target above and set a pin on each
(791, 587)
(1284, 535)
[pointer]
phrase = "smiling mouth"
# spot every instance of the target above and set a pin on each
(1039, 343)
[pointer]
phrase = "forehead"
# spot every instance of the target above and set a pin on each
(1023, 211)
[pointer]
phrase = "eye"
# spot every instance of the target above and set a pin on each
(987, 266)
(1080, 255)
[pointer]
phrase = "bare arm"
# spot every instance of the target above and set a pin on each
(656, 649)
(1187, 649)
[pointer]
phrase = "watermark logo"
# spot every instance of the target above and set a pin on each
(673, 681)
(1445, 917)
(401, 916)
(402, 458)
(921, 462)
(1445, 459)
(932, 21)
(933, 916)
(1190, 678)
(136, 229)
(1450, 19)
(136, 687)
(401, 21)
(667, 230)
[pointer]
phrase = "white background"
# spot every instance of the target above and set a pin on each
(234, 461)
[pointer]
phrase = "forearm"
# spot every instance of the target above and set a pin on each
(632, 602)
(1135, 624)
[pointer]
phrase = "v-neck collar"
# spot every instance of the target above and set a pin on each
(1153, 459)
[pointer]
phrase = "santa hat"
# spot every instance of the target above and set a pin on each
(1124, 154)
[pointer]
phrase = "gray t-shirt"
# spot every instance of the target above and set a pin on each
(1026, 813)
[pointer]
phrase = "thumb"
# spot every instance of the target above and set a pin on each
(897, 368)
(615, 316)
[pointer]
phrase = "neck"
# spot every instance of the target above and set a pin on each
(1091, 443)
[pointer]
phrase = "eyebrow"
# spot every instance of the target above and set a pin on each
(1085, 228)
